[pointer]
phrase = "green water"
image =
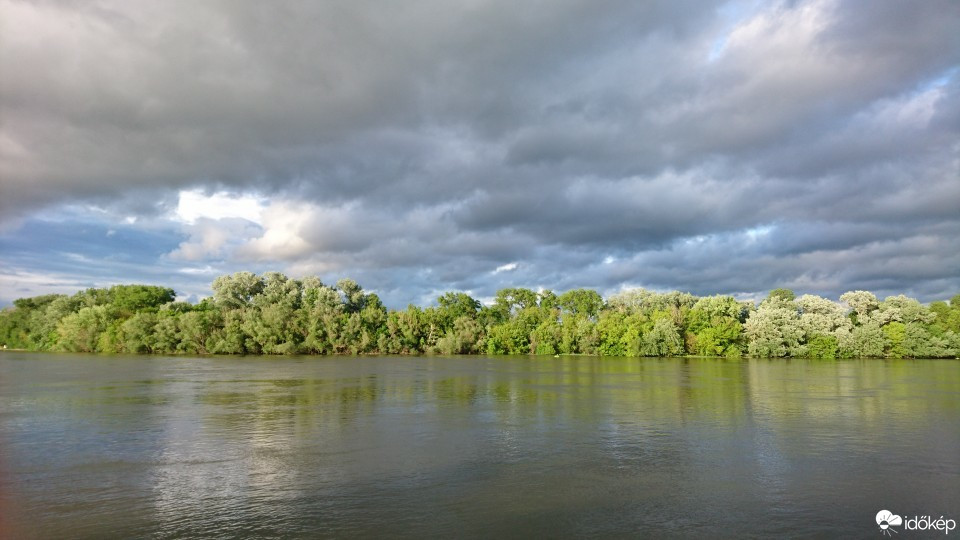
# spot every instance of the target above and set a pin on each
(157, 447)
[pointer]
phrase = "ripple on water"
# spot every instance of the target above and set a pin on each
(452, 447)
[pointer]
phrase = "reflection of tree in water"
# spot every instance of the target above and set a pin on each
(259, 441)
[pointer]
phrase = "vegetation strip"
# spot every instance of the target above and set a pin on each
(273, 314)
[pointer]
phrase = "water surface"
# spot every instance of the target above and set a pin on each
(159, 447)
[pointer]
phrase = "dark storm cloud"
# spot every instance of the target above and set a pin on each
(419, 146)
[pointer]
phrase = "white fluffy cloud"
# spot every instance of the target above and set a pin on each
(195, 204)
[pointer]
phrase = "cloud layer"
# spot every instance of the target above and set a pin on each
(424, 146)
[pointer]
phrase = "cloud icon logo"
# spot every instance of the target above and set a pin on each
(887, 519)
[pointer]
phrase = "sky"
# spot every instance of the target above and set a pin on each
(428, 146)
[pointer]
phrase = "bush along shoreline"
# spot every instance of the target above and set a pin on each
(274, 314)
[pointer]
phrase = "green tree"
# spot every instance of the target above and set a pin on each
(236, 290)
(354, 298)
(773, 330)
(578, 334)
(139, 331)
(465, 337)
(15, 331)
(785, 295)
(230, 337)
(80, 331)
(129, 299)
(820, 346)
(864, 341)
(546, 337)
(166, 333)
(821, 321)
(863, 303)
(895, 332)
(452, 306)
(662, 340)
(510, 301)
(196, 329)
(581, 302)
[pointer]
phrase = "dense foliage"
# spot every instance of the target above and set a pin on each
(273, 314)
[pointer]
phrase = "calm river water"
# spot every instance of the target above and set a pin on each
(159, 447)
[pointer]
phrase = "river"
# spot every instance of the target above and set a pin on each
(357, 447)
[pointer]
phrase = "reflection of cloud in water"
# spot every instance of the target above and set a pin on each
(349, 446)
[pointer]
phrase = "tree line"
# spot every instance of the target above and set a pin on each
(274, 314)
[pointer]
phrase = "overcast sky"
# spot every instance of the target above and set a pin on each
(428, 145)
